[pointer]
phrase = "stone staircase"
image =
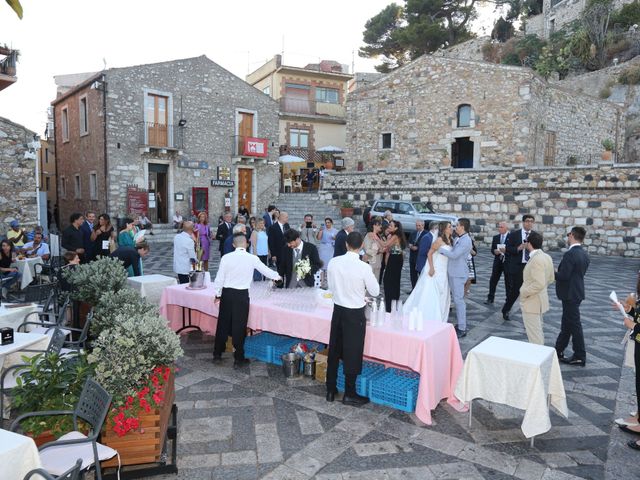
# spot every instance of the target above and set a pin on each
(297, 205)
(162, 233)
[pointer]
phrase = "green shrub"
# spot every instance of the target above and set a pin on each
(605, 92)
(91, 280)
(125, 303)
(608, 144)
(630, 76)
(627, 16)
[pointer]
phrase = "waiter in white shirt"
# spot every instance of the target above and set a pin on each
(349, 279)
(184, 252)
(231, 287)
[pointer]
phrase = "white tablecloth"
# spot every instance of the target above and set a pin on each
(27, 273)
(151, 286)
(517, 374)
(10, 354)
(12, 317)
(18, 455)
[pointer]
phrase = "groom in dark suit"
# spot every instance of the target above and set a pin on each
(414, 246)
(570, 289)
(295, 249)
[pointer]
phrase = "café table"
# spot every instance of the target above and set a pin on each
(518, 374)
(27, 267)
(14, 316)
(434, 352)
(151, 286)
(18, 455)
(10, 354)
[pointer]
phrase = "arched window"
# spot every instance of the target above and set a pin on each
(464, 116)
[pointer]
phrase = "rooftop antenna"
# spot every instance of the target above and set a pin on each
(353, 61)
(104, 63)
(282, 53)
(248, 63)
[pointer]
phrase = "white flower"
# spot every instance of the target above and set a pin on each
(302, 268)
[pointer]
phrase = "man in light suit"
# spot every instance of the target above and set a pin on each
(570, 289)
(425, 246)
(458, 272)
(538, 274)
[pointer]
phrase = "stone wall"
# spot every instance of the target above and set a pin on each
(535, 25)
(603, 198)
(469, 50)
(512, 108)
(17, 176)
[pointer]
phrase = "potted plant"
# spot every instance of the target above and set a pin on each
(125, 302)
(133, 361)
(49, 382)
(608, 146)
(347, 209)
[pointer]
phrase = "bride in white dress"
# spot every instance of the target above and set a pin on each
(431, 294)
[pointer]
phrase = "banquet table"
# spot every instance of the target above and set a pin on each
(27, 267)
(433, 352)
(519, 374)
(151, 286)
(18, 455)
(12, 317)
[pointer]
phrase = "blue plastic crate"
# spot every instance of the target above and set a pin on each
(396, 389)
(369, 371)
(261, 346)
(285, 347)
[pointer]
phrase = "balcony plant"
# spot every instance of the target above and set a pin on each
(608, 146)
(347, 209)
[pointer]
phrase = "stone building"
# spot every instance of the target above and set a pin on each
(311, 100)
(558, 13)
(18, 153)
(188, 134)
(468, 114)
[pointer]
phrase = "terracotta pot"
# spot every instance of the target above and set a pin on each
(136, 448)
(44, 437)
(607, 155)
(346, 212)
(520, 158)
(446, 161)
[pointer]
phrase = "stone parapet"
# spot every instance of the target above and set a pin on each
(602, 198)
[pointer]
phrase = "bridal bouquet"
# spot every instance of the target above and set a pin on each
(302, 268)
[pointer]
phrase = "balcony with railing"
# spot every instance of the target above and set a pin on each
(160, 136)
(8, 61)
(307, 106)
(249, 147)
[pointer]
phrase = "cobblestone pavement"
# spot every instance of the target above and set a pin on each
(254, 423)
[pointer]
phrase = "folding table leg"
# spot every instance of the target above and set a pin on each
(470, 409)
(532, 439)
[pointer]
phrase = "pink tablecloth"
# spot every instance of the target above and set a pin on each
(434, 353)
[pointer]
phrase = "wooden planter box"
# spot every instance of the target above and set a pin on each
(137, 448)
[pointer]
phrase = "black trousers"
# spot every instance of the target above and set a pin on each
(346, 342)
(232, 320)
(182, 278)
(571, 328)
(413, 272)
(496, 273)
(513, 279)
(636, 358)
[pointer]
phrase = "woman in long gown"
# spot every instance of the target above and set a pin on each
(431, 295)
(396, 244)
(326, 236)
(204, 233)
(374, 247)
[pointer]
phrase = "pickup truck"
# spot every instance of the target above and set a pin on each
(407, 213)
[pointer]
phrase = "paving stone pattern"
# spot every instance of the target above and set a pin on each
(253, 423)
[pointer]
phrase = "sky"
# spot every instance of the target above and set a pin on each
(72, 36)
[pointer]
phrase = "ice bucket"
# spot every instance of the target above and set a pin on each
(196, 279)
(290, 365)
(309, 369)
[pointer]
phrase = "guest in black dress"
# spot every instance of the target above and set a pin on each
(396, 244)
(102, 233)
(632, 322)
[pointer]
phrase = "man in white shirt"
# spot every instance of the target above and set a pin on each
(177, 221)
(231, 287)
(349, 279)
(184, 252)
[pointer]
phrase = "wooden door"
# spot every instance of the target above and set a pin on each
(245, 130)
(200, 200)
(157, 116)
(550, 148)
(245, 180)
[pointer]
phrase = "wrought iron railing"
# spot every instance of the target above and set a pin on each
(160, 135)
(8, 64)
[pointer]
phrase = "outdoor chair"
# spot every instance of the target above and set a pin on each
(45, 321)
(287, 183)
(72, 474)
(9, 377)
(59, 456)
(38, 293)
(297, 186)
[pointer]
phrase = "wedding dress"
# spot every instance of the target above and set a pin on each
(431, 294)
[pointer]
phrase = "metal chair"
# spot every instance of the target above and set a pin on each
(92, 408)
(47, 319)
(72, 474)
(9, 377)
(38, 293)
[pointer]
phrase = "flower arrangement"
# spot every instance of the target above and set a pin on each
(91, 280)
(302, 268)
(125, 418)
